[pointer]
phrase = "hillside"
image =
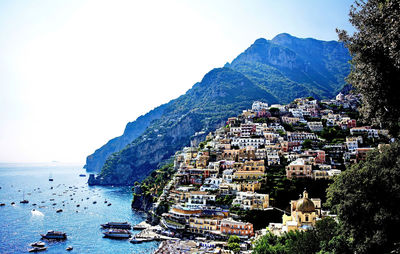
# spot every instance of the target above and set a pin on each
(275, 71)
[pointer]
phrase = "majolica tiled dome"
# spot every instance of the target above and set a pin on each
(305, 204)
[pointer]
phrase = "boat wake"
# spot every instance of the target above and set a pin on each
(36, 213)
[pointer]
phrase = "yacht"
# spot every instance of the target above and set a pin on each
(118, 225)
(117, 233)
(54, 235)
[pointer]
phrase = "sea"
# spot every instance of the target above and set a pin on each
(84, 209)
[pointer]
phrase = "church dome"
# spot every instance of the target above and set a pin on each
(305, 204)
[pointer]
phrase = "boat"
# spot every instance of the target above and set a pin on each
(108, 204)
(51, 178)
(24, 201)
(2, 204)
(54, 235)
(117, 233)
(38, 244)
(82, 175)
(69, 248)
(37, 249)
(117, 225)
(141, 240)
(59, 210)
(12, 203)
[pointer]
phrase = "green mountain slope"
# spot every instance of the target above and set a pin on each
(222, 93)
(275, 71)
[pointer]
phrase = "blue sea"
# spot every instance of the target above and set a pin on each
(21, 225)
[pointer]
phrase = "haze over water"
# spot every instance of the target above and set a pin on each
(19, 225)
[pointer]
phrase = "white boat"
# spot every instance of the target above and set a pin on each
(38, 244)
(117, 233)
(37, 249)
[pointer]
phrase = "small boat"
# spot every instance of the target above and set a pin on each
(24, 201)
(38, 244)
(51, 178)
(12, 203)
(54, 235)
(117, 233)
(2, 204)
(69, 248)
(37, 249)
(82, 175)
(59, 210)
(108, 204)
(117, 225)
(136, 240)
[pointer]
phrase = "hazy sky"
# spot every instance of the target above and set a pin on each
(73, 73)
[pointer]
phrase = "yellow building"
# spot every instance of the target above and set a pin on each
(304, 213)
(250, 186)
(254, 166)
(203, 225)
(248, 175)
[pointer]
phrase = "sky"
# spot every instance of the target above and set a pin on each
(74, 73)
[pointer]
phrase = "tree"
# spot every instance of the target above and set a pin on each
(375, 48)
(366, 198)
(234, 243)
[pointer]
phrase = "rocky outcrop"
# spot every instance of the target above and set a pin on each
(141, 201)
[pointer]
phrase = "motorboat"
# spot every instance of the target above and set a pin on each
(54, 235)
(37, 249)
(117, 225)
(38, 244)
(117, 233)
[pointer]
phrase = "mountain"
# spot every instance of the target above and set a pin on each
(273, 71)
(95, 161)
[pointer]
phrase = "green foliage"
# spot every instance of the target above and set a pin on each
(235, 247)
(324, 238)
(156, 181)
(274, 112)
(376, 62)
(234, 239)
(224, 200)
(334, 132)
(307, 144)
(366, 199)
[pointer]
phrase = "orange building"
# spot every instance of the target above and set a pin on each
(241, 229)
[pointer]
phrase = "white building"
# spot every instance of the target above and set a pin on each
(258, 106)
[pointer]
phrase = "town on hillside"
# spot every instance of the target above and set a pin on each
(239, 169)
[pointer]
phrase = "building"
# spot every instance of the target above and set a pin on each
(273, 158)
(290, 120)
(304, 213)
(315, 126)
(298, 168)
(245, 142)
(258, 106)
(251, 201)
(232, 227)
(199, 199)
